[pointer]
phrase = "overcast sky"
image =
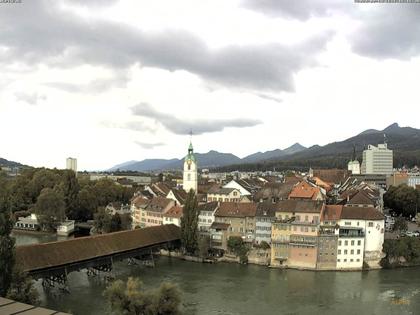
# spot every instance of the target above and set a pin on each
(112, 81)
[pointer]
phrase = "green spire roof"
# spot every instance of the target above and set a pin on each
(190, 155)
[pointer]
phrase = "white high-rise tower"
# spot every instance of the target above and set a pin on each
(190, 178)
(71, 164)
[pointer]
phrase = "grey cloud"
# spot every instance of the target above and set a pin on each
(184, 127)
(389, 31)
(297, 9)
(30, 98)
(42, 33)
(145, 145)
(130, 125)
(95, 86)
(269, 97)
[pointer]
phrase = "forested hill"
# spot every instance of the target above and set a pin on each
(404, 141)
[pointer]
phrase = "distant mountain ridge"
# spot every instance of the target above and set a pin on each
(210, 159)
(404, 141)
(7, 163)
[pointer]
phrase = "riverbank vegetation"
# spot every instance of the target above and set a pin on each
(54, 194)
(403, 200)
(238, 247)
(14, 283)
(402, 252)
(131, 298)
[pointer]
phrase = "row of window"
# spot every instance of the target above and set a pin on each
(351, 260)
(204, 220)
(263, 228)
(352, 243)
(351, 252)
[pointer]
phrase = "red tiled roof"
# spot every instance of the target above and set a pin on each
(300, 205)
(332, 213)
(305, 191)
(361, 213)
(174, 212)
(233, 209)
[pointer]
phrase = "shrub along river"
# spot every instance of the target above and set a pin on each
(237, 289)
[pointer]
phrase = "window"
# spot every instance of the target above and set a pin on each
(347, 223)
(352, 243)
(345, 252)
(352, 252)
(306, 229)
(357, 259)
(339, 252)
(338, 260)
(358, 252)
(306, 218)
(235, 193)
(351, 260)
(339, 243)
(298, 218)
(345, 260)
(370, 224)
(189, 166)
(313, 229)
(346, 243)
(189, 177)
(359, 242)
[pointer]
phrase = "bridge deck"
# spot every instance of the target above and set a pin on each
(55, 254)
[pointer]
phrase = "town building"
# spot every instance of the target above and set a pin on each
(361, 236)
(173, 216)
(147, 213)
(224, 194)
(71, 164)
(190, 176)
(241, 187)
(265, 215)
(328, 237)
(240, 217)
(177, 195)
(377, 160)
(306, 191)
(27, 223)
(206, 215)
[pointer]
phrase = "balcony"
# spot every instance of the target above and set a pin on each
(351, 233)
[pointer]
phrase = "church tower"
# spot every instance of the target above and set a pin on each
(190, 171)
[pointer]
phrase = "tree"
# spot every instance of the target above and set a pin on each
(403, 199)
(86, 204)
(189, 224)
(115, 223)
(400, 224)
(50, 209)
(204, 246)
(131, 298)
(7, 257)
(102, 221)
(237, 246)
(22, 288)
(69, 187)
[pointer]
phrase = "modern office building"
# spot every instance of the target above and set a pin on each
(71, 164)
(377, 160)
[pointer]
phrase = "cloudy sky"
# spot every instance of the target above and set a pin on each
(112, 81)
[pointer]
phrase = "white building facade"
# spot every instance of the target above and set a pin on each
(377, 160)
(71, 164)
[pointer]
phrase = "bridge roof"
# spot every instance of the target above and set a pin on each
(47, 255)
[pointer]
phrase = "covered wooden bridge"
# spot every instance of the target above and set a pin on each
(57, 259)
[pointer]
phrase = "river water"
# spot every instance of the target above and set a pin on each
(228, 289)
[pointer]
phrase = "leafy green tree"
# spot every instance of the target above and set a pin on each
(69, 187)
(7, 257)
(400, 224)
(204, 246)
(22, 288)
(237, 246)
(115, 223)
(404, 200)
(50, 209)
(131, 298)
(87, 203)
(189, 224)
(102, 221)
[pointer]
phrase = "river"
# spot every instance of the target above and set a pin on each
(230, 289)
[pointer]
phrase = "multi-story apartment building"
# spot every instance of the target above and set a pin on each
(173, 216)
(295, 233)
(265, 215)
(224, 194)
(147, 213)
(362, 229)
(240, 217)
(328, 237)
(206, 215)
(377, 160)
